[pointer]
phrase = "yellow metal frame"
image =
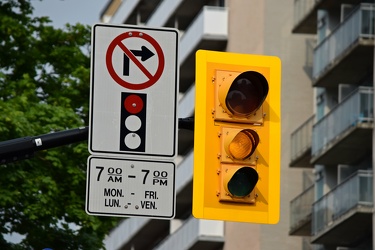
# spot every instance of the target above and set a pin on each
(207, 146)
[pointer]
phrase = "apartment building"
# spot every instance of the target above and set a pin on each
(241, 26)
(335, 211)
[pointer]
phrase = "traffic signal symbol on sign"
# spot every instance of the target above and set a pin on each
(236, 161)
(133, 122)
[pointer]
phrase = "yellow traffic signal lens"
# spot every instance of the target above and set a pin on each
(243, 182)
(243, 144)
(247, 93)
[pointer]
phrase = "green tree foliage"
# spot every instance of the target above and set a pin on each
(44, 87)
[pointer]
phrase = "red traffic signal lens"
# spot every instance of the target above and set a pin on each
(243, 182)
(247, 93)
(133, 104)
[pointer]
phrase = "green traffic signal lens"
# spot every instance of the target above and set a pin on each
(247, 93)
(243, 181)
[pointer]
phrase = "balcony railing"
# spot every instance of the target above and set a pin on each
(354, 109)
(209, 30)
(358, 25)
(163, 12)
(301, 9)
(355, 191)
(301, 209)
(301, 140)
(211, 23)
(195, 234)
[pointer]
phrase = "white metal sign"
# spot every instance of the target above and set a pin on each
(118, 187)
(134, 87)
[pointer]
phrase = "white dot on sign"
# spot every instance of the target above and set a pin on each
(132, 140)
(133, 123)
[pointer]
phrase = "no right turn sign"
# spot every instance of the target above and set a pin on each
(133, 95)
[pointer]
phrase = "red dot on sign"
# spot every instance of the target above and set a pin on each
(133, 104)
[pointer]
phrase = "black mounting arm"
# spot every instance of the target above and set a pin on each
(24, 148)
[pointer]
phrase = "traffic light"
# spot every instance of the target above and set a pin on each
(237, 137)
(133, 122)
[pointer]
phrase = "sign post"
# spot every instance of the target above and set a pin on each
(133, 121)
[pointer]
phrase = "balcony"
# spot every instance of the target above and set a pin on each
(306, 12)
(344, 135)
(300, 213)
(196, 234)
(109, 10)
(344, 215)
(176, 13)
(144, 233)
(346, 55)
(166, 10)
(301, 145)
(128, 11)
(208, 31)
(137, 232)
(184, 186)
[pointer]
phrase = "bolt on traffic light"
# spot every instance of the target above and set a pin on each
(237, 137)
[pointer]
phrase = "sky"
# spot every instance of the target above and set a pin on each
(69, 11)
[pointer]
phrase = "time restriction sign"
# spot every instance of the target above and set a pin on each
(120, 187)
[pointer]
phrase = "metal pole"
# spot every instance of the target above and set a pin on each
(23, 148)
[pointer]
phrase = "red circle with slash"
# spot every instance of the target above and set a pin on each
(152, 78)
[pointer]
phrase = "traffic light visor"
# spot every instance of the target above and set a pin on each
(246, 93)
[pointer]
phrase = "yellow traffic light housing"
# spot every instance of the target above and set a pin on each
(237, 137)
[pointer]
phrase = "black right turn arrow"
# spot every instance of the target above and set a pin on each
(144, 53)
